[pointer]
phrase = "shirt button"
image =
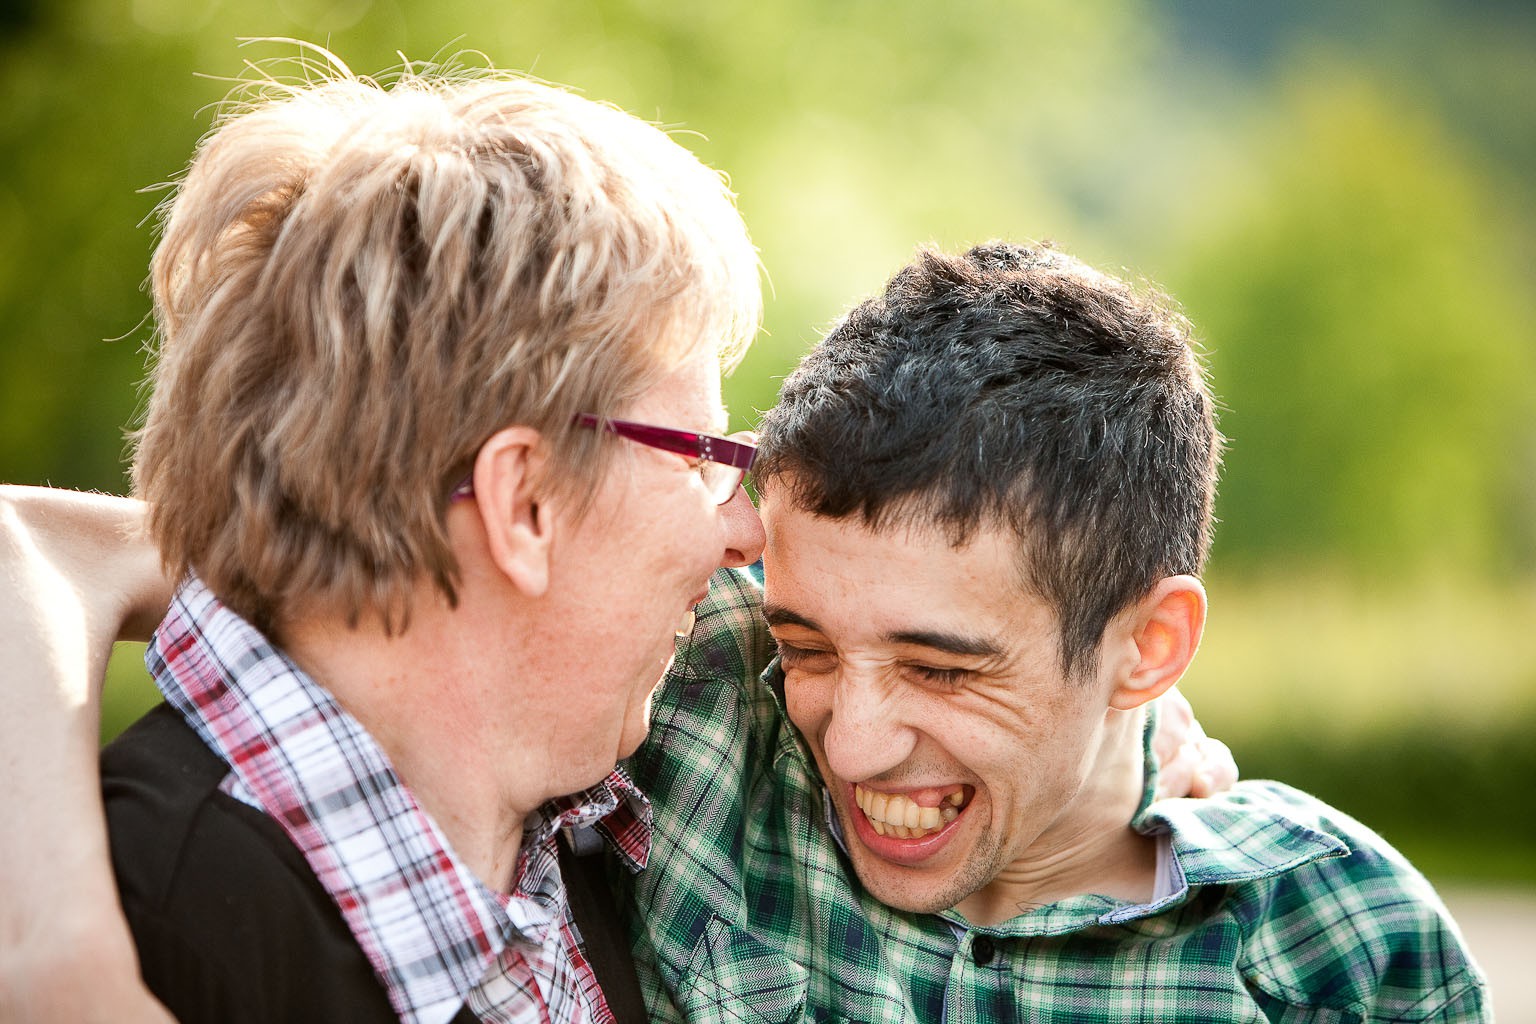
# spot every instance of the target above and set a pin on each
(982, 951)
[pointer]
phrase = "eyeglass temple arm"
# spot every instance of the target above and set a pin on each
(716, 449)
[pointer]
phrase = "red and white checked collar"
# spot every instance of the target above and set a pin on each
(437, 938)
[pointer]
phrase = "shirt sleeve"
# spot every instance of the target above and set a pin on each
(711, 737)
(1362, 929)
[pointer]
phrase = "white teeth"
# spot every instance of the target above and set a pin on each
(893, 814)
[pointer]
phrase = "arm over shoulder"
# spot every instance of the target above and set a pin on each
(712, 733)
(70, 577)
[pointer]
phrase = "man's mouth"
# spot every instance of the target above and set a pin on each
(900, 816)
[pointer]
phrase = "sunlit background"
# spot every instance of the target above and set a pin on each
(1340, 194)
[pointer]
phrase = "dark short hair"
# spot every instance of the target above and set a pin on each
(1019, 386)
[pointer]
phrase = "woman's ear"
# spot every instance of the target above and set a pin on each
(515, 510)
(1166, 631)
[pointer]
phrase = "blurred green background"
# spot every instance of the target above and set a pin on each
(1341, 196)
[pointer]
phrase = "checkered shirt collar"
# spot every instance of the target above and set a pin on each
(429, 927)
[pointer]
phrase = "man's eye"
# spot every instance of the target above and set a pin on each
(941, 677)
(791, 656)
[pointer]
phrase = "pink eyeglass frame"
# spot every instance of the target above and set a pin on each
(722, 451)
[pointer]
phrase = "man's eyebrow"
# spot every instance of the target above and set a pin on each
(949, 643)
(778, 615)
(938, 640)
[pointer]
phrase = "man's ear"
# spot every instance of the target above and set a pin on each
(518, 520)
(1166, 631)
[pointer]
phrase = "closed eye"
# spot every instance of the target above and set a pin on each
(941, 677)
(791, 656)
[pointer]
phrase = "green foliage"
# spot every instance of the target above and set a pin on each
(1349, 224)
(129, 691)
(1370, 325)
(1455, 801)
(1411, 708)
(1317, 654)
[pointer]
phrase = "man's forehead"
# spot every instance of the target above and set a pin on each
(912, 555)
(910, 526)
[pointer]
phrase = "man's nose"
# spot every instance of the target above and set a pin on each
(868, 734)
(742, 529)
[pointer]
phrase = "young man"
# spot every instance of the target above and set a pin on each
(987, 496)
(427, 444)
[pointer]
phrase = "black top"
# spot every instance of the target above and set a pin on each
(230, 923)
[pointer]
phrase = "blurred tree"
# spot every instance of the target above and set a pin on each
(1371, 334)
(17, 17)
(854, 131)
(1356, 242)
(86, 123)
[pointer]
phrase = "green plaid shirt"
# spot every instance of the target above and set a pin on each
(1288, 910)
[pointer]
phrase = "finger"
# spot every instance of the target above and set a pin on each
(1176, 725)
(1215, 769)
(1176, 776)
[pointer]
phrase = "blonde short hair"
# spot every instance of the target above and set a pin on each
(358, 284)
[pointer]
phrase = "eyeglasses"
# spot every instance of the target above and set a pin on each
(723, 461)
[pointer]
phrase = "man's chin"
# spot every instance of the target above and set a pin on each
(912, 894)
(914, 888)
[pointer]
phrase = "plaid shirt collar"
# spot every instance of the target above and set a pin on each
(435, 935)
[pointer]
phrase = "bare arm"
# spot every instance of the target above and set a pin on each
(75, 572)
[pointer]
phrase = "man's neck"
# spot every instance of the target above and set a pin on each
(1091, 850)
(1121, 864)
